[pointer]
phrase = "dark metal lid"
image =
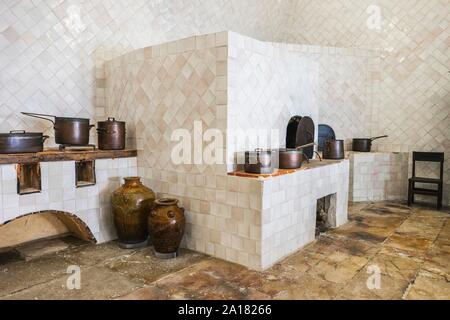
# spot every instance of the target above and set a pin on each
(325, 133)
(291, 135)
(305, 135)
(110, 121)
(22, 134)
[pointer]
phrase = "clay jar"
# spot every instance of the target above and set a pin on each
(131, 205)
(166, 225)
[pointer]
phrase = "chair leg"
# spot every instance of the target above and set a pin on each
(410, 195)
(440, 196)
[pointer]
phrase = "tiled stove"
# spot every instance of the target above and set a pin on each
(287, 207)
(232, 83)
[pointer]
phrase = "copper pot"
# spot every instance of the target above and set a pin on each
(21, 142)
(334, 150)
(68, 131)
(111, 134)
(166, 225)
(293, 158)
(131, 205)
(365, 145)
(259, 162)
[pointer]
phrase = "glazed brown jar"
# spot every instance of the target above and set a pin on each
(131, 205)
(166, 225)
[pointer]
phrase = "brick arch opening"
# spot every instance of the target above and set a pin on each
(74, 224)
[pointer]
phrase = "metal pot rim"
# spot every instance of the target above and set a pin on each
(109, 122)
(259, 152)
(22, 135)
(337, 140)
(64, 119)
(290, 151)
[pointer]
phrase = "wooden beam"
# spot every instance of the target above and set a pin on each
(68, 155)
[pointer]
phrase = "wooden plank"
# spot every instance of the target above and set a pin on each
(68, 155)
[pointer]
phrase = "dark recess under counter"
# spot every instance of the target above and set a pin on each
(68, 155)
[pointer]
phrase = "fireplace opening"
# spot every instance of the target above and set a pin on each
(28, 178)
(85, 173)
(326, 214)
(43, 225)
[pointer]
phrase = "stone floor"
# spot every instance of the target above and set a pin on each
(409, 247)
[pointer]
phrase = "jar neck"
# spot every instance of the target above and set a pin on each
(132, 181)
(166, 202)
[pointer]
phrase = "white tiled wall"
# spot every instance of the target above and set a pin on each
(52, 52)
(52, 55)
(411, 78)
(378, 176)
(270, 82)
(90, 204)
(267, 85)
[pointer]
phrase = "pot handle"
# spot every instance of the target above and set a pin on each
(318, 155)
(376, 138)
(44, 138)
(111, 119)
(306, 146)
(307, 158)
(39, 116)
(91, 126)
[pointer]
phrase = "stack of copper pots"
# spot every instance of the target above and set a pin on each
(111, 135)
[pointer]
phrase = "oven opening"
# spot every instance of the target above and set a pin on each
(326, 214)
(28, 178)
(85, 174)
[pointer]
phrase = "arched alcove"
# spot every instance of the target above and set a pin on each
(44, 224)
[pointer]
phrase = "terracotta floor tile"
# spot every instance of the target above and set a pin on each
(429, 286)
(410, 247)
(358, 289)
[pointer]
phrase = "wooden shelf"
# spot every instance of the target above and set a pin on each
(52, 155)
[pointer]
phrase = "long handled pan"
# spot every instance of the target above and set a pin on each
(293, 158)
(365, 145)
(68, 131)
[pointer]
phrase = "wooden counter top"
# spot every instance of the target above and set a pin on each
(53, 155)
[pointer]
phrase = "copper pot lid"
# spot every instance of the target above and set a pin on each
(21, 134)
(306, 134)
(111, 120)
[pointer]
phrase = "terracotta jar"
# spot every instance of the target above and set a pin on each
(166, 225)
(131, 204)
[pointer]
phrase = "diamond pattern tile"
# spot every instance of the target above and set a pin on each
(52, 55)
(52, 52)
(411, 80)
(157, 93)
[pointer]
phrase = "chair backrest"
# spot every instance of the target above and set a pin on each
(429, 157)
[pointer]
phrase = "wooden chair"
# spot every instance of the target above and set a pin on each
(413, 190)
